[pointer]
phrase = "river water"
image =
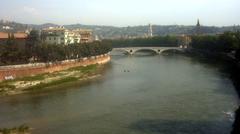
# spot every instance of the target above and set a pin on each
(141, 94)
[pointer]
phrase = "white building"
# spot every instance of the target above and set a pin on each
(86, 35)
(6, 27)
(61, 35)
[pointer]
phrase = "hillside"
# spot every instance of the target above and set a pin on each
(123, 32)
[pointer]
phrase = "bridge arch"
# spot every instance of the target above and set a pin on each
(156, 51)
(171, 49)
(124, 51)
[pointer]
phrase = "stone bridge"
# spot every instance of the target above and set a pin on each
(157, 50)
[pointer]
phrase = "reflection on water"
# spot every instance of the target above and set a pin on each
(136, 94)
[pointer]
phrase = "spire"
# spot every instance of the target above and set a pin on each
(198, 28)
(198, 23)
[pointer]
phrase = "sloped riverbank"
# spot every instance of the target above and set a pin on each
(38, 82)
(54, 75)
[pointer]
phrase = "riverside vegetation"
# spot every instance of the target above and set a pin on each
(34, 50)
(157, 41)
(23, 129)
(217, 47)
(34, 83)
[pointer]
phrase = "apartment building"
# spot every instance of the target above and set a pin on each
(61, 35)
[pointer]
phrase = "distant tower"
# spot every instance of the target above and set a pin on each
(198, 23)
(150, 32)
(96, 38)
(198, 28)
(234, 28)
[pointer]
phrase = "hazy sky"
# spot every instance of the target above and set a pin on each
(122, 12)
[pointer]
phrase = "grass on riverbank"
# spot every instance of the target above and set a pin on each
(48, 79)
(56, 82)
(23, 129)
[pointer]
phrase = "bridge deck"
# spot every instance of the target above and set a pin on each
(158, 50)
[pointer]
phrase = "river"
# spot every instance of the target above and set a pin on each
(141, 94)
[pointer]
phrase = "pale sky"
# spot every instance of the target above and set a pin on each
(122, 12)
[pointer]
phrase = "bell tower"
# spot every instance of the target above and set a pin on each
(150, 32)
(198, 28)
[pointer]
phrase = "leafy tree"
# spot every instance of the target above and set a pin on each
(219, 43)
(42, 52)
(33, 40)
(12, 54)
(143, 42)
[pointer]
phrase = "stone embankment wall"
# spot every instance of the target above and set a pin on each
(16, 71)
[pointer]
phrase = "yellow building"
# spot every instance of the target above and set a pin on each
(86, 35)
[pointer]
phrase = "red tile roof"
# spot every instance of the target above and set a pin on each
(20, 35)
(16, 35)
(3, 35)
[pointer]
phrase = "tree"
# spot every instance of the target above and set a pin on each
(229, 41)
(33, 40)
(139, 42)
(12, 53)
(44, 52)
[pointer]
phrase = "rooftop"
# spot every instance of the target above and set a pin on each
(4, 35)
(55, 29)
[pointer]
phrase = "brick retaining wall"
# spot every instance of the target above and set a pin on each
(16, 71)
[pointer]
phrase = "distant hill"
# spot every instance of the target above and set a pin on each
(39, 27)
(123, 32)
(133, 31)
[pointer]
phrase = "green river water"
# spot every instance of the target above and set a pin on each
(141, 94)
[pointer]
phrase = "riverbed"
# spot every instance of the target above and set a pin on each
(140, 94)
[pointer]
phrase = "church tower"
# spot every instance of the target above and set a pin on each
(198, 23)
(198, 28)
(150, 32)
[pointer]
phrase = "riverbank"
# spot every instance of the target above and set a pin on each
(37, 82)
(36, 78)
(25, 70)
(23, 129)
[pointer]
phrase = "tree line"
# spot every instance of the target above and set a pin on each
(34, 50)
(157, 41)
(226, 42)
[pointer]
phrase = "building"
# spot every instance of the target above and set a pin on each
(150, 31)
(56, 35)
(85, 34)
(19, 37)
(61, 35)
(184, 41)
(7, 28)
(96, 38)
(198, 28)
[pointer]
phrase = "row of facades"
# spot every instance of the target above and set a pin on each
(54, 35)
(61, 35)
